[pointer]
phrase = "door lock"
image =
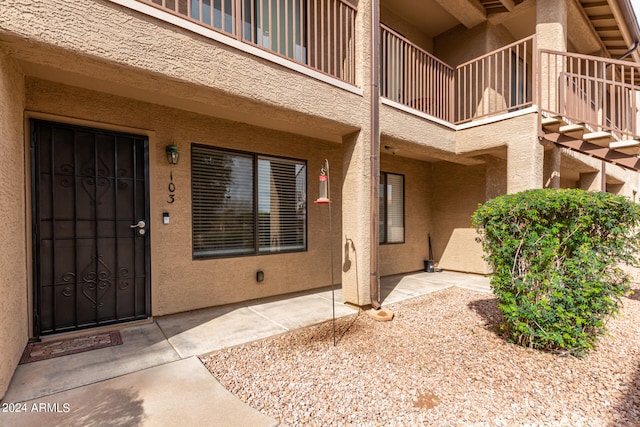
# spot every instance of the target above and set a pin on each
(141, 224)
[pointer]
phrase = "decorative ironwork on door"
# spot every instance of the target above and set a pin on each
(90, 212)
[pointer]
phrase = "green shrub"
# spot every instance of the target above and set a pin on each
(556, 256)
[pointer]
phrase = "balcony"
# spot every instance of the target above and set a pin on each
(496, 83)
(589, 104)
(316, 33)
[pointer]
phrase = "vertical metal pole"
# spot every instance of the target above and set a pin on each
(333, 297)
(324, 171)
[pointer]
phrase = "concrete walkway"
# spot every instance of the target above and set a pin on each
(155, 379)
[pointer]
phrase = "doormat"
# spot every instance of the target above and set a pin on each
(48, 350)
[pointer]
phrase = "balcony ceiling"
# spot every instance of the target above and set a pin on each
(428, 15)
(609, 23)
(433, 17)
(499, 6)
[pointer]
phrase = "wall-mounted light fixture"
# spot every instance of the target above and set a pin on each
(172, 154)
(390, 149)
(259, 276)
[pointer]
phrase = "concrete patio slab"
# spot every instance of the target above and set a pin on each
(401, 287)
(396, 289)
(142, 347)
(337, 294)
(392, 295)
(181, 393)
(203, 331)
(152, 378)
(301, 311)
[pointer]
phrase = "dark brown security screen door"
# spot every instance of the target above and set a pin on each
(90, 227)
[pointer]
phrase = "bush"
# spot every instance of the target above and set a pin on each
(556, 256)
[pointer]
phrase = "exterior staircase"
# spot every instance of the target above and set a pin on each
(600, 144)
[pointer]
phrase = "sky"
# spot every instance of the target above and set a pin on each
(636, 8)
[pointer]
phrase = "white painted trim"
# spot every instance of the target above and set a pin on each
(230, 41)
(485, 121)
(506, 116)
(410, 110)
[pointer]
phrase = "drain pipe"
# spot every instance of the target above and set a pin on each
(630, 51)
(374, 284)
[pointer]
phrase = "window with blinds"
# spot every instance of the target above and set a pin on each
(391, 208)
(247, 204)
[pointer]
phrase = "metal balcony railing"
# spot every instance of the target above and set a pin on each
(498, 82)
(317, 33)
(598, 92)
(413, 77)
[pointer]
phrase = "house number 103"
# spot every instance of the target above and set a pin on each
(172, 189)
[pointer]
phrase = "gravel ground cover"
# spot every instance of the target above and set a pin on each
(440, 362)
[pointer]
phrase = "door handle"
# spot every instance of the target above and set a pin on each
(141, 224)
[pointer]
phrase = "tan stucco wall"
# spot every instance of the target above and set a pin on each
(357, 178)
(356, 218)
(457, 191)
(551, 24)
(415, 136)
(408, 256)
(579, 170)
(13, 280)
(464, 253)
(116, 50)
(460, 45)
(400, 25)
(139, 57)
(178, 282)
(525, 152)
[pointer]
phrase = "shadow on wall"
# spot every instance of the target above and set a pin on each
(350, 247)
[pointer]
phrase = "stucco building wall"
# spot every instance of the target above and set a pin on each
(398, 24)
(408, 256)
(101, 64)
(14, 324)
(578, 170)
(116, 50)
(457, 191)
(460, 44)
(524, 151)
(415, 136)
(180, 283)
